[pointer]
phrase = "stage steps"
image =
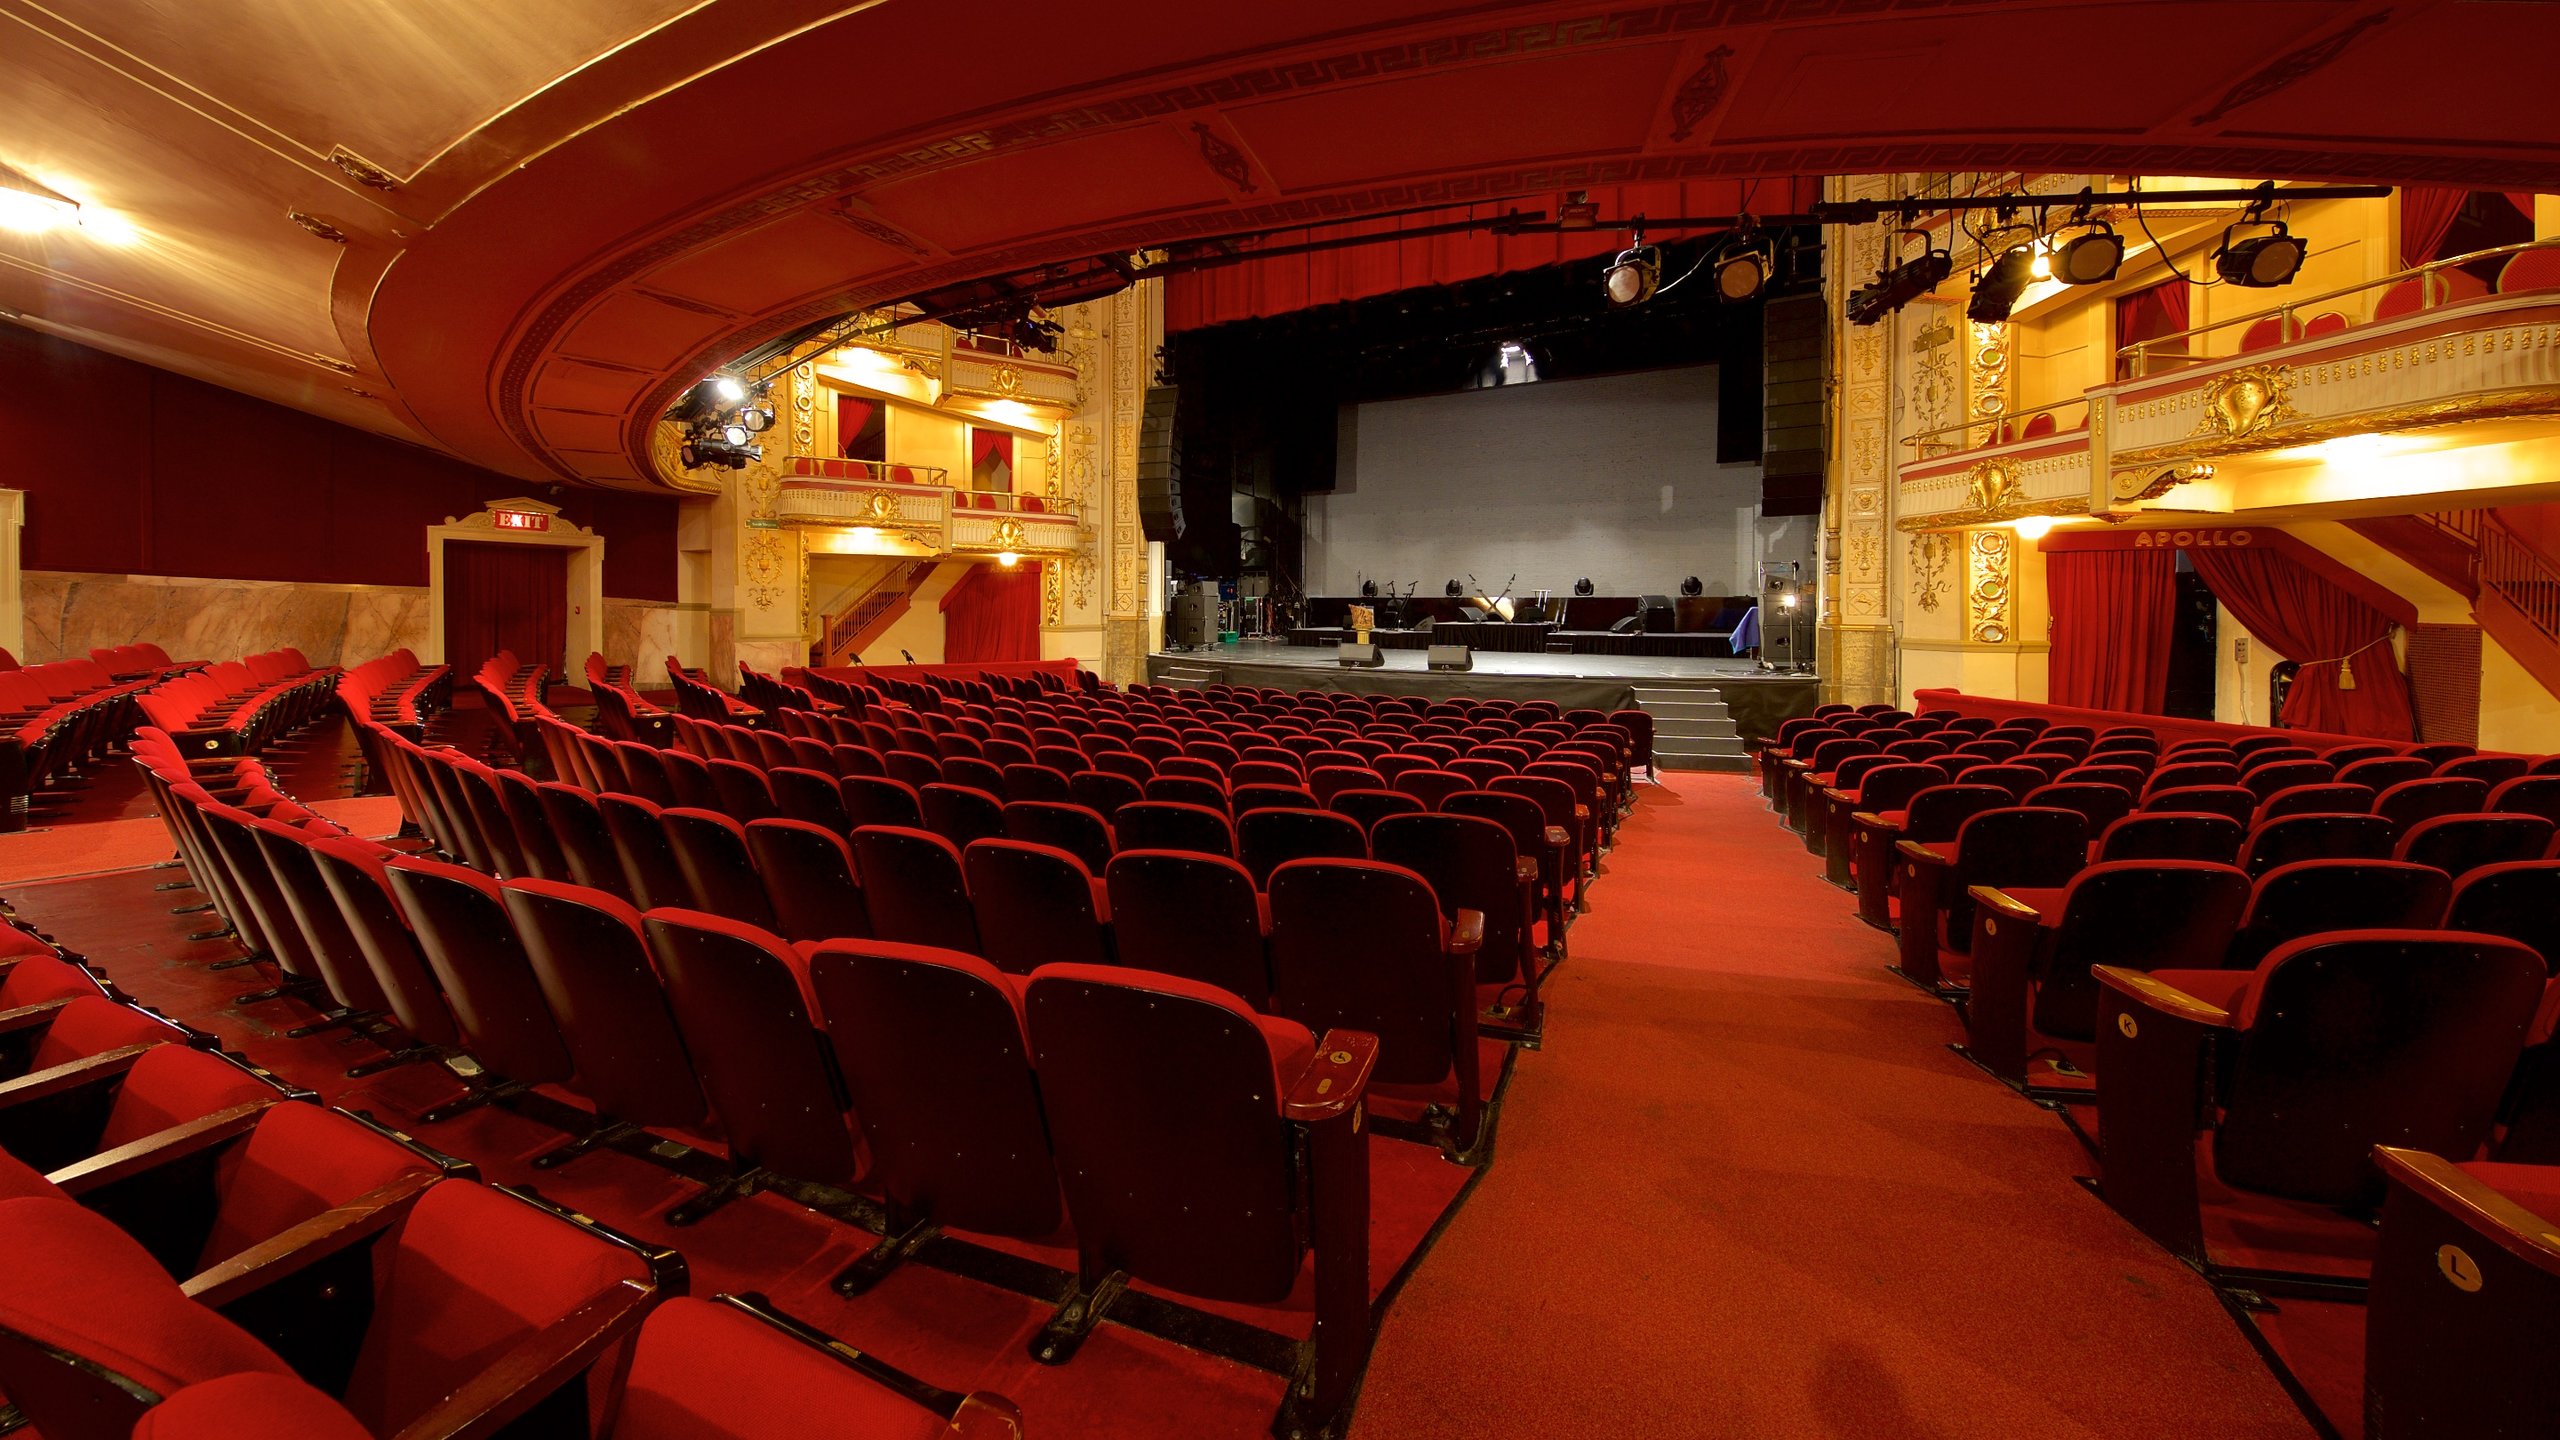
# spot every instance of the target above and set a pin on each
(1692, 728)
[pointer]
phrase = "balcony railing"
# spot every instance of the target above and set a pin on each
(2520, 576)
(2434, 284)
(2007, 428)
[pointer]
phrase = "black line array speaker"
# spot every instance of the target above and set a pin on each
(1359, 657)
(1159, 467)
(1795, 353)
(1450, 657)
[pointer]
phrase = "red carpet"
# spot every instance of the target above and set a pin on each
(1746, 1191)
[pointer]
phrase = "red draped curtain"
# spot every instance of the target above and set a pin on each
(2113, 614)
(990, 459)
(858, 435)
(2148, 315)
(2349, 681)
(992, 614)
(505, 597)
(2427, 213)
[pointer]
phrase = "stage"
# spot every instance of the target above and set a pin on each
(1693, 700)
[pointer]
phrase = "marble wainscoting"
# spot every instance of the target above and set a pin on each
(71, 613)
(643, 633)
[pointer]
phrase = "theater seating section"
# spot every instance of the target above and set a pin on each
(2278, 990)
(237, 706)
(1020, 955)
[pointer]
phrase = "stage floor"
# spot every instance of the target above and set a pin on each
(1491, 662)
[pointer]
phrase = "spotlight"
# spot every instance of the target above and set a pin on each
(1898, 285)
(1453, 590)
(1631, 277)
(1693, 587)
(1743, 268)
(2091, 258)
(31, 208)
(1584, 587)
(734, 434)
(726, 389)
(756, 418)
(1997, 292)
(1578, 212)
(2259, 261)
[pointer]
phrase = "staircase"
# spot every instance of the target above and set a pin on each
(1692, 730)
(2513, 588)
(870, 614)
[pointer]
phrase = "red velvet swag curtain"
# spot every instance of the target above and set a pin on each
(992, 614)
(2427, 213)
(2325, 631)
(2113, 611)
(852, 417)
(505, 597)
(2148, 315)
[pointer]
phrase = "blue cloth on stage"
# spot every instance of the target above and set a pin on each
(1746, 631)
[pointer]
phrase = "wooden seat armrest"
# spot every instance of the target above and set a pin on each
(30, 1017)
(1920, 854)
(2518, 1231)
(1581, 812)
(70, 1075)
(1466, 937)
(1991, 898)
(163, 1148)
(1870, 820)
(1335, 1080)
(328, 1233)
(2152, 994)
(1526, 870)
(1557, 838)
(544, 1361)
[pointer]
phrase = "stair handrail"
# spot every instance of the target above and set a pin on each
(2527, 582)
(2460, 525)
(843, 626)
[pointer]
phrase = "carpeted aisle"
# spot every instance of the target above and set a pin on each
(1745, 1190)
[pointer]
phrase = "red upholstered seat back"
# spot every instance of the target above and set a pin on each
(741, 998)
(36, 978)
(171, 1085)
(473, 1273)
(462, 930)
(2143, 915)
(1035, 905)
(249, 1406)
(2312, 897)
(592, 963)
(2172, 835)
(2519, 900)
(299, 1162)
(702, 1371)
(1183, 913)
(91, 1025)
(1362, 945)
(1470, 864)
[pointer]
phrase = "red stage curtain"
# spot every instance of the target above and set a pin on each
(2427, 213)
(505, 597)
(2113, 611)
(2313, 623)
(992, 614)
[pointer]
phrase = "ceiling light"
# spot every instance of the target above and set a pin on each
(1631, 277)
(2260, 261)
(1007, 559)
(2089, 258)
(1898, 285)
(1997, 292)
(30, 208)
(2032, 527)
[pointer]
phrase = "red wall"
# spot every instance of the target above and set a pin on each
(133, 470)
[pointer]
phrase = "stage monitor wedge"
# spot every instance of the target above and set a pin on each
(1359, 657)
(1449, 657)
(1159, 467)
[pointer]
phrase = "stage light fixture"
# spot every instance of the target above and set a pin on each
(2261, 261)
(1742, 269)
(756, 418)
(1578, 211)
(2090, 258)
(1898, 285)
(1996, 293)
(1453, 590)
(1584, 587)
(1631, 278)
(1693, 587)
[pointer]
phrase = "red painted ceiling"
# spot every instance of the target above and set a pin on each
(569, 220)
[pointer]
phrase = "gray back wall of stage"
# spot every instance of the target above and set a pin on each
(1614, 478)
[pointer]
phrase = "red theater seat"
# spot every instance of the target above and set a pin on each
(2466, 1292)
(2518, 899)
(809, 880)
(1196, 916)
(2172, 835)
(2292, 839)
(2459, 844)
(1473, 866)
(2005, 847)
(1266, 839)
(461, 924)
(2312, 897)
(1036, 905)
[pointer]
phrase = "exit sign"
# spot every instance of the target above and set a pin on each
(520, 520)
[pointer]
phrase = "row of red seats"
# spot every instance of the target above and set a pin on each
(55, 718)
(622, 712)
(680, 1016)
(397, 691)
(2277, 1050)
(177, 1228)
(139, 661)
(240, 705)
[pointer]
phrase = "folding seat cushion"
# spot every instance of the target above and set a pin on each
(357, 877)
(2100, 805)
(2032, 997)
(742, 1001)
(1473, 865)
(2171, 835)
(2232, 800)
(2330, 799)
(116, 1096)
(2381, 772)
(313, 912)
(961, 815)
(461, 923)
(914, 888)
(880, 800)
(1267, 838)
(2528, 795)
(591, 960)
(32, 979)
(932, 1049)
(2311, 897)
(75, 1029)
(2459, 844)
(1186, 1141)
(1171, 825)
(2332, 1044)
(1192, 915)
(2411, 801)
(2519, 900)
(2466, 1290)
(650, 874)
(1362, 945)
(1933, 815)
(1036, 905)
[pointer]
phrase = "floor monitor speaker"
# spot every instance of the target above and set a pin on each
(1450, 657)
(1359, 657)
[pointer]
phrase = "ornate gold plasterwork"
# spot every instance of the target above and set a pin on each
(2240, 403)
(1930, 552)
(2145, 483)
(2525, 402)
(804, 408)
(1008, 380)
(1987, 597)
(876, 507)
(1009, 536)
(1970, 517)
(763, 565)
(1988, 374)
(1990, 485)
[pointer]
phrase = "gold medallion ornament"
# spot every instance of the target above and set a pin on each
(2240, 403)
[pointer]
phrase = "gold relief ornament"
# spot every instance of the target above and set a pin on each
(876, 507)
(1929, 554)
(2241, 403)
(763, 565)
(1987, 593)
(1009, 536)
(1990, 485)
(2126, 486)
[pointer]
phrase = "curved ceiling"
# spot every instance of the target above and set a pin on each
(517, 240)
